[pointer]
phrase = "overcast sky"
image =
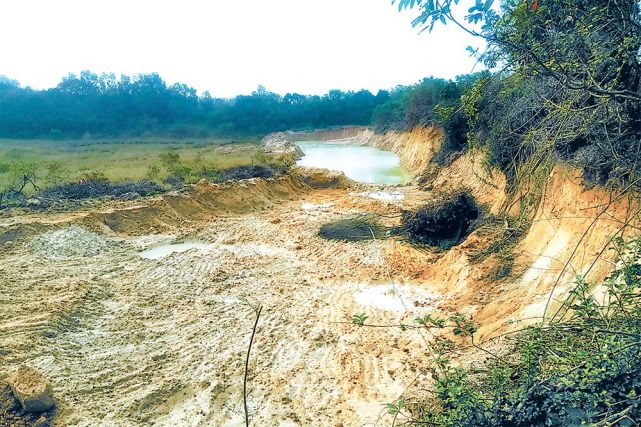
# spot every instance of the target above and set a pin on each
(228, 46)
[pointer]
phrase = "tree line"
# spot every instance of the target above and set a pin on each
(103, 105)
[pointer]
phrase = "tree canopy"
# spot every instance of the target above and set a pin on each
(567, 82)
(104, 105)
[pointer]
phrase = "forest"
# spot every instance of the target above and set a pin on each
(144, 105)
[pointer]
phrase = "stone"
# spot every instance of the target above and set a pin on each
(319, 178)
(279, 144)
(32, 390)
(42, 422)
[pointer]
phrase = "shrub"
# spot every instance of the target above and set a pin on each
(21, 176)
(153, 172)
(169, 159)
(445, 222)
(55, 172)
(247, 172)
(455, 141)
(579, 368)
(96, 176)
(96, 189)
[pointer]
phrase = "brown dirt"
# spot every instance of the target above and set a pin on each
(133, 341)
(128, 340)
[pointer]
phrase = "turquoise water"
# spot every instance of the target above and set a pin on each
(362, 164)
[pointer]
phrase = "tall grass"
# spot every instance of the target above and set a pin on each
(118, 160)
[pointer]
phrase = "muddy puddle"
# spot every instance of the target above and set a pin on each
(392, 297)
(165, 249)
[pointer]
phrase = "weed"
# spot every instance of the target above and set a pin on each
(359, 319)
(580, 368)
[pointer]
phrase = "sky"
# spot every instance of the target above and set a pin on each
(228, 47)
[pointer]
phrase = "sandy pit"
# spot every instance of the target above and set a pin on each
(136, 311)
(152, 328)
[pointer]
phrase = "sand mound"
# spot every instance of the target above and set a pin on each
(68, 242)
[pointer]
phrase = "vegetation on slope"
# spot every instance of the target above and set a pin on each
(580, 368)
(90, 169)
(569, 88)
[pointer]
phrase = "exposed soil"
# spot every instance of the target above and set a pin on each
(128, 340)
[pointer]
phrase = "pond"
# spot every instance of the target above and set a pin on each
(362, 164)
(165, 249)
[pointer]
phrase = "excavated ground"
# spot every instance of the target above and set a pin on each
(161, 340)
(128, 340)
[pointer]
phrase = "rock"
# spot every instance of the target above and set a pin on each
(41, 422)
(33, 202)
(279, 144)
(319, 178)
(32, 389)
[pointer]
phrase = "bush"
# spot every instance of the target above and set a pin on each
(444, 223)
(247, 172)
(581, 367)
(96, 189)
(21, 176)
(455, 141)
(96, 176)
(153, 172)
(169, 159)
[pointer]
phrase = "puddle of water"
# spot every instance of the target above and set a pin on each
(312, 207)
(391, 298)
(384, 196)
(165, 249)
(384, 297)
(362, 164)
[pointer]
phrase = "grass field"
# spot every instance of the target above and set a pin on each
(118, 160)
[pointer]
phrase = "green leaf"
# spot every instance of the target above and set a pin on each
(359, 319)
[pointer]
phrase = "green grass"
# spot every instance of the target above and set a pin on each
(119, 160)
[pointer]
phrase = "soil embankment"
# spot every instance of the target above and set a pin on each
(570, 231)
(128, 340)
